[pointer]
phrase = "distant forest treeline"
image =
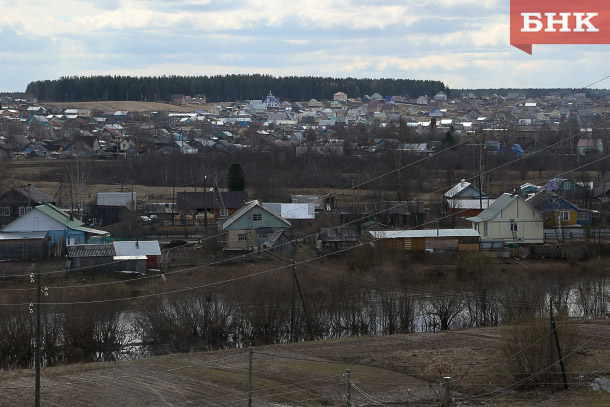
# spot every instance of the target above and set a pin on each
(223, 88)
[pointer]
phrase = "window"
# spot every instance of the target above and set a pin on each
(262, 235)
(566, 185)
(257, 217)
(6, 211)
(565, 215)
(513, 226)
(484, 228)
(21, 210)
(582, 216)
(242, 237)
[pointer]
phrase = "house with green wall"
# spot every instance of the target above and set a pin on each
(252, 226)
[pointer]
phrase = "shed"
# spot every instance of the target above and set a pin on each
(23, 246)
(428, 240)
(91, 258)
(336, 239)
(144, 250)
(129, 256)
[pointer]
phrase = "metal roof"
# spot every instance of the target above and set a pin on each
(292, 210)
(496, 207)
(22, 235)
(246, 208)
(459, 187)
(397, 234)
(338, 234)
(65, 219)
(137, 248)
(35, 195)
(91, 250)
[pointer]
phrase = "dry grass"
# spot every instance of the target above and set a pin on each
(387, 368)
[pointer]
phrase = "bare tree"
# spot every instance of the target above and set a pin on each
(5, 174)
(78, 175)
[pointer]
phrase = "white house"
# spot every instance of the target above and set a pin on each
(511, 219)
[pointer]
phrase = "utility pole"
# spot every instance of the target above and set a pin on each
(293, 314)
(561, 364)
(348, 389)
(29, 197)
(311, 337)
(38, 339)
(38, 344)
(250, 378)
(174, 201)
(133, 211)
(215, 223)
(205, 208)
(552, 354)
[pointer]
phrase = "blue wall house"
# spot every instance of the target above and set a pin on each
(62, 229)
(559, 211)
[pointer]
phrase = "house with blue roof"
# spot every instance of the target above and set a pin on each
(558, 211)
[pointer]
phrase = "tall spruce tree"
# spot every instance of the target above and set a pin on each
(236, 180)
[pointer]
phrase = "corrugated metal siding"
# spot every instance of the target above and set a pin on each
(116, 199)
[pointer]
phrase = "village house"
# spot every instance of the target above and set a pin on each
(510, 219)
(250, 227)
(221, 204)
(18, 201)
(61, 229)
(558, 211)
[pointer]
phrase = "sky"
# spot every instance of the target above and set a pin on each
(463, 43)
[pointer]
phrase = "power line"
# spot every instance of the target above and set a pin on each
(329, 254)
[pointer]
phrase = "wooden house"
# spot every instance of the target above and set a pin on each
(251, 226)
(427, 240)
(400, 213)
(510, 219)
(336, 239)
(18, 201)
(558, 211)
(194, 203)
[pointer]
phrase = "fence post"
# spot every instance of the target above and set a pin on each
(348, 389)
(250, 379)
(447, 391)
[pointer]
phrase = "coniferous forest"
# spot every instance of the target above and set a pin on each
(223, 88)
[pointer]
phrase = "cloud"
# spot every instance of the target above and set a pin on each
(457, 41)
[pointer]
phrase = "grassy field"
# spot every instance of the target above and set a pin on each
(384, 370)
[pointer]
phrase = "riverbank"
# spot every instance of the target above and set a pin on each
(383, 370)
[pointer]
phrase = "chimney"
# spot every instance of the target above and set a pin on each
(463, 183)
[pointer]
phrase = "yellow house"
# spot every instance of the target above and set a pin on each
(511, 219)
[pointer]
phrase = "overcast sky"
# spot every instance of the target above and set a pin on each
(464, 43)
